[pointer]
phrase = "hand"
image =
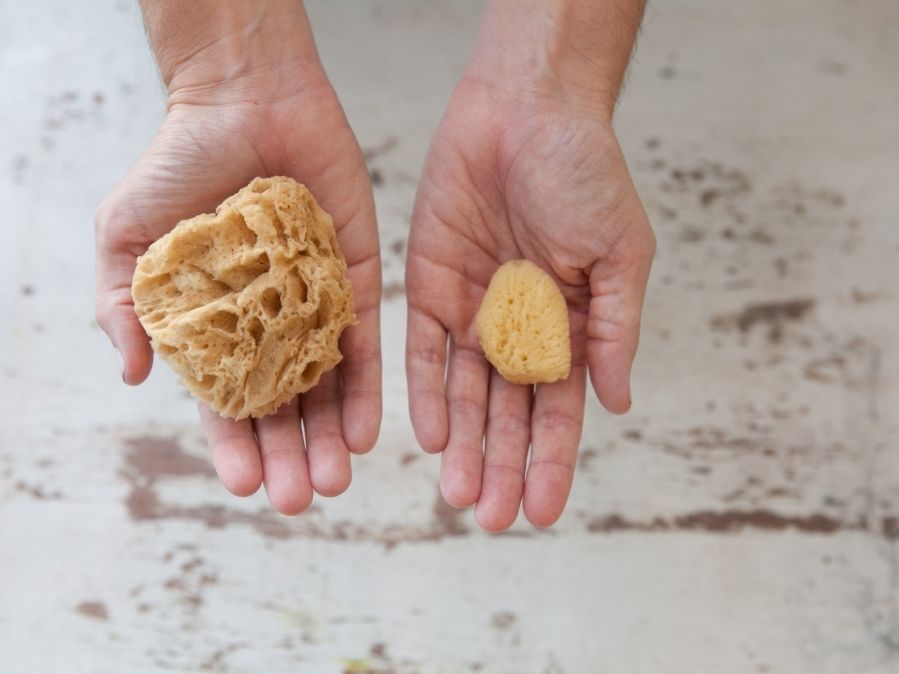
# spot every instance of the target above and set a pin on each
(508, 178)
(215, 140)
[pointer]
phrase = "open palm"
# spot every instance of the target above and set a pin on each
(505, 181)
(202, 154)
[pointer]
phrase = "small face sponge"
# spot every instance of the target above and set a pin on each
(522, 325)
(247, 304)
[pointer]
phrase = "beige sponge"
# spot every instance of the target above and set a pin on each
(247, 304)
(523, 325)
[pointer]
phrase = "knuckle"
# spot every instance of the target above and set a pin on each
(103, 310)
(103, 215)
(557, 419)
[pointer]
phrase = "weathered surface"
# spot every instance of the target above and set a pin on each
(742, 519)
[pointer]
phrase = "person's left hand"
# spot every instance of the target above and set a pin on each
(506, 180)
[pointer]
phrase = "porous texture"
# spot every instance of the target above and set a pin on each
(522, 325)
(247, 304)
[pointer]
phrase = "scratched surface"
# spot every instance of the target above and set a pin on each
(744, 518)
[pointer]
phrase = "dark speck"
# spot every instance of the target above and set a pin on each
(377, 178)
(27, 290)
(708, 196)
(93, 609)
(503, 620)
(833, 68)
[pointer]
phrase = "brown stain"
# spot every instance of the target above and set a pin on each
(691, 234)
(191, 564)
(830, 198)
(503, 620)
(398, 246)
(889, 527)
(144, 505)
(708, 197)
(392, 290)
(825, 370)
(774, 315)
(381, 149)
(729, 521)
(863, 297)
(150, 459)
(448, 521)
(153, 457)
(95, 610)
(711, 183)
(407, 459)
(586, 457)
(216, 660)
(36, 492)
(191, 582)
(833, 67)
(381, 662)
(761, 236)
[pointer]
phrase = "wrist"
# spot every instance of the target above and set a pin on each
(568, 52)
(231, 51)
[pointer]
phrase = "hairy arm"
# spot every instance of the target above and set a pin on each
(247, 97)
(229, 51)
(570, 51)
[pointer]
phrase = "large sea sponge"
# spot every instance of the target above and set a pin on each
(247, 304)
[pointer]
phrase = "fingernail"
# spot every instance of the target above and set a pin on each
(121, 361)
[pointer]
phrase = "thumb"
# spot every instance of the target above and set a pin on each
(114, 306)
(617, 288)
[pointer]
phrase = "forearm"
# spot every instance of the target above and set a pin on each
(561, 48)
(230, 50)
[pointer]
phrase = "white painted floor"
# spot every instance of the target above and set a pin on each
(744, 518)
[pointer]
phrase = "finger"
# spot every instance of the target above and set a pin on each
(617, 286)
(329, 457)
(360, 374)
(235, 453)
(506, 448)
(556, 423)
(463, 458)
(285, 471)
(425, 374)
(116, 317)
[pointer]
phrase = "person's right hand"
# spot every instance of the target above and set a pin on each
(217, 137)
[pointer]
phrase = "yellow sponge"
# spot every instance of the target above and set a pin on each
(522, 325)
